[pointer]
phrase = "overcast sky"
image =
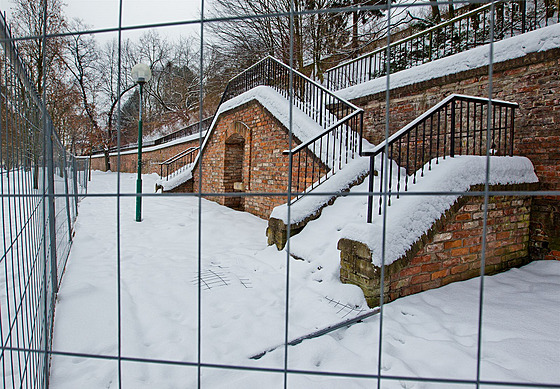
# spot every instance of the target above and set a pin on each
(105, 14)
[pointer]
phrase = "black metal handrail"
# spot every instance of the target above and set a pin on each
(458, 125)
(317, 102)
(178, 162)
(185, 131)
(319, 158)
(464, 32)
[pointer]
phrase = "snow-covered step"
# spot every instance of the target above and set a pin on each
(409, 221)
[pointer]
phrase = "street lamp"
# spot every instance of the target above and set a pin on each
(141, 73)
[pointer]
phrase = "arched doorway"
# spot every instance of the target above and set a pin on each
(233, 170)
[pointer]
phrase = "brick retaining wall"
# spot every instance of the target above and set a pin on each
(533, 82)
(450, 251)
(150, 159)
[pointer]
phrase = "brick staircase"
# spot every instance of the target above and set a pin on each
(316, 160)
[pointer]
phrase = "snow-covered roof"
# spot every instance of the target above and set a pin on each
(302, 126)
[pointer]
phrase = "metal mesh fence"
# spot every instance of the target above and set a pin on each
(41, 184)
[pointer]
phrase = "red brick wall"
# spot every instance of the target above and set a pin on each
(150, 159)
(451, 251)
(455, 253)
(533, 82)
(265, 167)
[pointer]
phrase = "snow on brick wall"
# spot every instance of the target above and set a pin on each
(151, 157)
(450, 251)
(265, 167)
(531, 81)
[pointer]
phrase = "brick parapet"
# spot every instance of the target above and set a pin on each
(450, 251)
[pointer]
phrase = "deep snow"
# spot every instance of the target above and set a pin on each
(432, 334)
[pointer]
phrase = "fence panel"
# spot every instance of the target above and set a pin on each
(38, 191)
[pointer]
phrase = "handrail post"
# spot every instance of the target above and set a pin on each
(512, 121)
(370, 188)
(360, 140)
(452, 140)
(321, 107)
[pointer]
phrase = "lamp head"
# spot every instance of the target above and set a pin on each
(141, 73)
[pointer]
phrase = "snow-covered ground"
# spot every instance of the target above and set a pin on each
(433, 334)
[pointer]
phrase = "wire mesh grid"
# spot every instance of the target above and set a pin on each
(41, 184)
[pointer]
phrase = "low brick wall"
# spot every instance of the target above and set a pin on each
(450, 251)
(150, 158)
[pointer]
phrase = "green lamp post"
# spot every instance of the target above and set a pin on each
(141, 73)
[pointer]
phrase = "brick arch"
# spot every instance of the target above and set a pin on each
(239, 128)
(234, 166)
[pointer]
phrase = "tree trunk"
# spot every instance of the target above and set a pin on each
(435, 11)
(354, 34)
(35, 174)
(107, 160)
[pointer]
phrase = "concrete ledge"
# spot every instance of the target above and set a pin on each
(277, 230)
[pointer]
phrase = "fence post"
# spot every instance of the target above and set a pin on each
(452, 140)
(52, 213)
(67, 190)
(75, 177)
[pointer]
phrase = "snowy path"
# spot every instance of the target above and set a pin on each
(243, 300)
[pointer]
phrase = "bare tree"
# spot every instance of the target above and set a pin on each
(316, 34)
(32, 19)
(80, 58)
(256, 37)
(171, 97)
(110, 93)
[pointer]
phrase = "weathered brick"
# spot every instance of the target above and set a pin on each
(420, 279)
(452, 244)
(430, 267)
(440, 274)
(409, 271)
(459, 251)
